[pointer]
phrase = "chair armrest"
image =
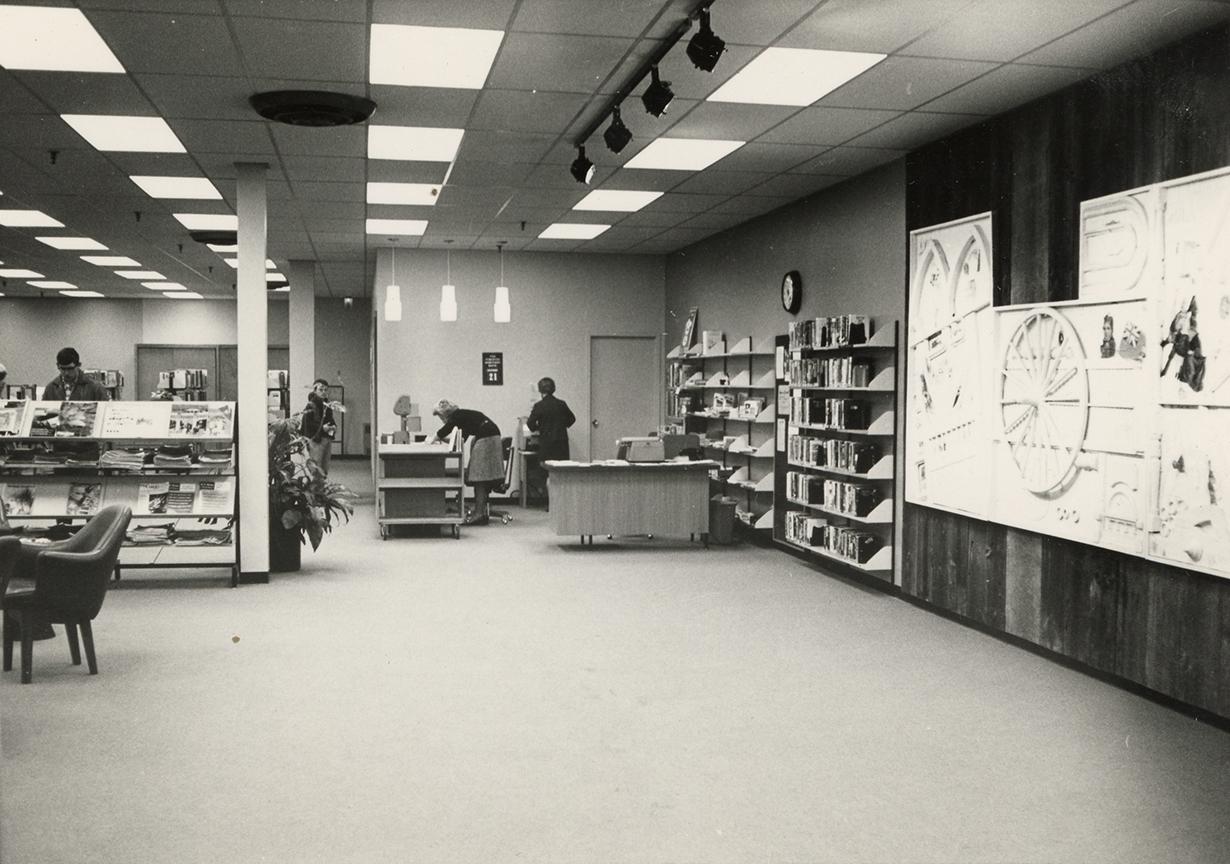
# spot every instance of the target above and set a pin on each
(10, 555)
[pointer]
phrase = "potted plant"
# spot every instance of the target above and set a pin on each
(304, 504)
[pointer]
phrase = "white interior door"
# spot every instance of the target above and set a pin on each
(624, 390)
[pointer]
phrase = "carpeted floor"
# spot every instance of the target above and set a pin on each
(508, 697)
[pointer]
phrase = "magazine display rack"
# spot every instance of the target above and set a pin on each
(837, 496)
(173, 463)
(727, 398)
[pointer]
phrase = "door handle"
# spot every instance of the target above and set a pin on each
(594, 423)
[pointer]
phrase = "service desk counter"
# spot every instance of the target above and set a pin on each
(667, 498)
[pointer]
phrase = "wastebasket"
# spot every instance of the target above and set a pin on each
(722, 519)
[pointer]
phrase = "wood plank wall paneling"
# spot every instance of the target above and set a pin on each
(1153, 119)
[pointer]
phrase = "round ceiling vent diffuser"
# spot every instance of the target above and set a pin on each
(312, 107)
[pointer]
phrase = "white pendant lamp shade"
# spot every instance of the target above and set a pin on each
(392, 295)
(503, 309)
(448, 291)
(392, 303)
(448, 303)
(502, 312)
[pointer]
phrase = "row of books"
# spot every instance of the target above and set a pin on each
(829, 372)
(853, 544)
(89, 454)
(171, 534)
(837, 413)
(183, 379)
(105, 377)
(197, 497)
(856, 456)
(852, 499)
(830, 332)
(70, 419)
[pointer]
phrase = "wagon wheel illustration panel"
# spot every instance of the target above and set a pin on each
(1044, 399)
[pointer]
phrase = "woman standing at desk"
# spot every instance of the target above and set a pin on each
(550, 418)
(486, 466)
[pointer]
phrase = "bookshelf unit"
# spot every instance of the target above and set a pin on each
(173, 463)
(419, 484)
(185, 385)
(727, 398)
(112, 381)
(277, 394)
(836, 476)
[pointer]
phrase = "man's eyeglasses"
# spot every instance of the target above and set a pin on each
(66, 368)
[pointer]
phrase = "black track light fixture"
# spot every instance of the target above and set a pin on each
(582, 169)
(658, 95)
(705, 48)
(616, 135)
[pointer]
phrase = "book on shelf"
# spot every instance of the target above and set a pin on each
(12, 418)
(151, 499)
(17, 499)
(83, 499)
(136, 420)
(750, 408)
(64, 419)
(215, 496)
(201, 420)
(180, 497)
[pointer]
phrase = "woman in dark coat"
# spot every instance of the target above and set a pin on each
(318, 424)
(550, 418)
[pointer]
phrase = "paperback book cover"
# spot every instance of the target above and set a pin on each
(12, 418)
(180, 497)
(202, 419)
(151, 499)
(214, 496)
(17, 499)
(135, 419)
(83, 499)
(64, 419)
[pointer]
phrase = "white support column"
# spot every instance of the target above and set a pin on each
(253, 338)
(302, 331)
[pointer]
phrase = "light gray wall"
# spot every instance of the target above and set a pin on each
(558, 302)
(342, 338)
(849, 244)
(104, 332)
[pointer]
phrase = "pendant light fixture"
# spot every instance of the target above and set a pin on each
(503, 307)
(392, 294)
(448, 291)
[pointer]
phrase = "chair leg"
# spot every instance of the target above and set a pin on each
(74, 650)
(8, 644)
(87, 637)
(27, 651)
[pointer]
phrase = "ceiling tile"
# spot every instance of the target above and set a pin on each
(914, 129)
(471, 172)
(220, 167)
(722, 182)
(626, 18)
(762, 156)
(821, 125)
(517, 111)
(72, 93)
(756, 23)
(310, 190)
(182, 6)
(224, 136)
(796, 185)
(730, 121)
(348, 141)
(489, 198)
(689, 82)
(751, 205)
(848, 160)
(311, 50)
(168, 42)
(905, 83)
(440, 107)
(200, 97)
(645, 181)
(544, 61)
(394, 171)
(299, 9)
(674, 202)
(325, 168)
(562, 198)
(1130, 32)
(1005, 29)
(883, 26)
(653, 219)
(1007, 87)
(495, 145)
(480, 14)
(714, 221)
(15, 98)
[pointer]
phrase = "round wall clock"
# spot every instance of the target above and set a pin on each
(792, 291)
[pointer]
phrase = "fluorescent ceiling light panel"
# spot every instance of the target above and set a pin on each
(16, 273)
(617, 200)
(28, 219)
(274, 277)
(80, 294)
(413, 143)
(432, 56)
(110, 261)
(572, 231)
(424, 194)
(398, 227)
(52, 40)
(284, 288)
(140, 274)
(53, 284)
(683, 154)
(208, 221)
(79, 244)
(183, 295)
(793, 76)
(196, 188)
(121, 133)
(164, 286)
(233, 263)
(217, 247)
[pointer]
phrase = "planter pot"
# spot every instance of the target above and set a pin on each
(284, 548)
